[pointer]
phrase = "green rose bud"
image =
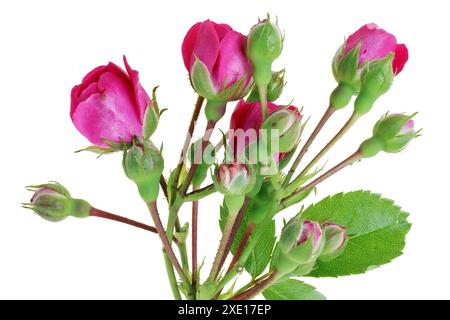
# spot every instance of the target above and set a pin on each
(144, 165)
(53, 202)
(391, 134)
(287, 121)
(346, 72)
(234, 179)
(301, 243)
(264, 45)
(335, 240)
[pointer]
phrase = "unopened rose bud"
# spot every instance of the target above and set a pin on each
(274, 89)
(335, 239)
(288, 123)
(301, 242)
(391, 134)
(234, 179)
(214, 55)
(53, 202)
(264, 45)
(144, 165)
(356, 66)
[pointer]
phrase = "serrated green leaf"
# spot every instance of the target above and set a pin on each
(292, 290)
(260, 255)
(376, 230)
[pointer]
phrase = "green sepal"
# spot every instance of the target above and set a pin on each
(345, 69)
(201, 80)
(54, 185)
(376, 79)
(144, 165)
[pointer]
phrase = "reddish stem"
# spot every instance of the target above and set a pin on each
(245, 237)
(110, 216)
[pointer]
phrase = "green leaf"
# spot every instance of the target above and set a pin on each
(292, 290)
(376, 230)
(260, 255)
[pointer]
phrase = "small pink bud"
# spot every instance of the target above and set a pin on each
(234, 178)
(335, 240)
(309, 229)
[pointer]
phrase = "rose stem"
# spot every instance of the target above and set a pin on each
(350, 122)
(114, 217)
(190, 175)
(258, 288)
(227, 241)
(326, 116)
(350, 160)
(187, 140)
(166, 245)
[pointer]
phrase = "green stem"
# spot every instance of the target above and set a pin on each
(190, 175)
(262, 89)
(187, 140)
(350, 122)
(172, 277)
(166, 244)
(259, 231)
(222, 246)
(199, 194)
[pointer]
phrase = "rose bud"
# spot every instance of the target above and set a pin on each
(246, 122)
(53, 202)
(214, 55)
(144, 165)
(109, 105)
(274, 89)
(301, 243)
(264, 46)
(335, 241)
(390, 134)
(368, 53)
(288, 123)
(234, 179)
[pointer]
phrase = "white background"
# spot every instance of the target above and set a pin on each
(47, 46)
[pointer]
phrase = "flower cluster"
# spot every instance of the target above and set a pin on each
(254, 165)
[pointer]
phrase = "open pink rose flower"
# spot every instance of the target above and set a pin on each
(222, 51)
(376, 43)
(248, 116)
(109, 105)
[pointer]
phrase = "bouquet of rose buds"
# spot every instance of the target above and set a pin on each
(254, 166)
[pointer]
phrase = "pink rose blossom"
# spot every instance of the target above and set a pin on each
(376, 43)
(221, 49)
(109, 105)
